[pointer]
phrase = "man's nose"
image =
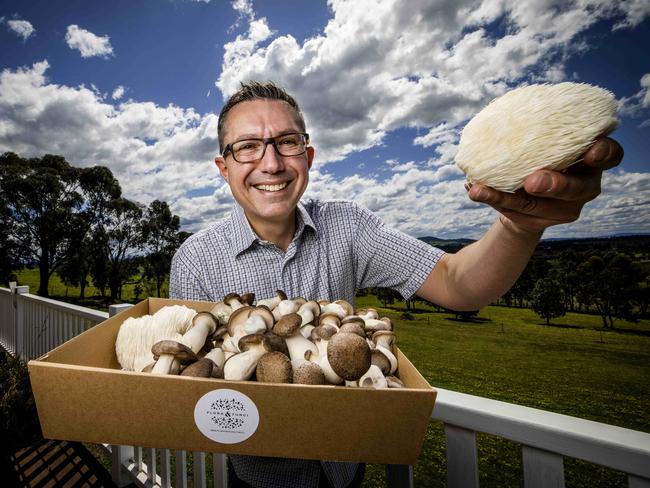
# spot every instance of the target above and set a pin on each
(271, 162)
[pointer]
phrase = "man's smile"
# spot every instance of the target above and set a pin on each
(271, 188)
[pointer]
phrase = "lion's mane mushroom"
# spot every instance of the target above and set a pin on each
(274, 367)
(137, 335)
(534, 127)
(288, 327)
(169, 355)
(349, 355)
(241, 366)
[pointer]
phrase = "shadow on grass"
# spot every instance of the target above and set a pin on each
(469, 320)
(560, 326)
(638, 332)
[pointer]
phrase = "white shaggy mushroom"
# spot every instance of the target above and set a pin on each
(137, 335)
(533, 127)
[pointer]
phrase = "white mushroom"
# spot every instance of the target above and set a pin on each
(321, 336)
(285, 307)
(534, 127)
(271, 303)
(137, 335)
(169, 355)
(384, 341)
(204, 325)
(373, 378)
(241, 366)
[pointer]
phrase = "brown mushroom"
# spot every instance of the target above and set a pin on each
(166, 353)
(274, 367)
(308, 373)
(349, 355)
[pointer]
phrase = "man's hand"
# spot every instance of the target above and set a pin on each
(552, 197)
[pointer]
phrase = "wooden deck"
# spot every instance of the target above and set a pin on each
(53, 464)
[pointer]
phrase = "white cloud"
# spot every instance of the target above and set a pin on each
(118, 93)
(22, 28)
(431, 65)
(637, 105)
(634, 12)
(87, 43)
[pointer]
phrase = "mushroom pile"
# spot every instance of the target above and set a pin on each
(281, 340)
(534, 127)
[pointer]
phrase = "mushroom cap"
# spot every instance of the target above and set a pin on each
(300, 301)
(231, 298)
(353, 328)
(180, 351)
(252, 340)
(349, 309)
(238, 318)
(380, 360)
(329, 318)
(394, 382)
(206, 318)
(281, 294)
(533, 127)
(387, 337)
(311, 305)
(348, 355)
(276, 342)
(265, 313)
(287, 325)
(202, 368)
(274, 367)
(247, 298)
(353, 319)
(308, 373)
(323, 332)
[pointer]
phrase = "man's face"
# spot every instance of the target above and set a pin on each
(269, 189)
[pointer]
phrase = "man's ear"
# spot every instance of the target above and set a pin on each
(310, 156)
(223, 169)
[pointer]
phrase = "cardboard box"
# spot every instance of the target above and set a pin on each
(82, 394)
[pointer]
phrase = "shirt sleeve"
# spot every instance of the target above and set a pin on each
(388, 258)
(184, 279)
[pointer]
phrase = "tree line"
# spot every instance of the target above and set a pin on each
(75, 222)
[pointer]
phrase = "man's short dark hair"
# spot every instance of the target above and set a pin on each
(254, 90)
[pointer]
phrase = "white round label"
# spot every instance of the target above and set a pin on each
(226, 416)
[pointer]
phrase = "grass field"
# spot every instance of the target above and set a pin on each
(573, 367)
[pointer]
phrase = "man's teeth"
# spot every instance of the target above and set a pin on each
(271, 187)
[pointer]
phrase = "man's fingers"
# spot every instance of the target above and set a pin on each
(521, 202)
(603, 154)
(564, 186)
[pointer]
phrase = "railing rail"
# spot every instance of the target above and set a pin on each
(30, 326)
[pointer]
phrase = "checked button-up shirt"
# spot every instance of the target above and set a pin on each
(338, 247)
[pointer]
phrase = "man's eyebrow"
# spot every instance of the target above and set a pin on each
(243, 137)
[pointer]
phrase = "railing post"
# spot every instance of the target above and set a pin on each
(121, 456)
(542, 468)
(462, 460)
(19, 305)
(117, 308)
(399, 476)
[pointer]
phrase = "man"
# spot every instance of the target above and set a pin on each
(328, 250)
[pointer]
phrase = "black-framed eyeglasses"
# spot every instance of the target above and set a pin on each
(250, 150)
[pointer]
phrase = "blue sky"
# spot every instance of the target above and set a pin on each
(385, 89)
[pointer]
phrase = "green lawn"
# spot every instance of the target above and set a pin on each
(572, 367)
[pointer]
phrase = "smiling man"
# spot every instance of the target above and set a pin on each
(330, 249)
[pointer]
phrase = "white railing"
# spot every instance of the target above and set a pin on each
(30, 326)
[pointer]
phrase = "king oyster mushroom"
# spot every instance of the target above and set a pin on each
(273, 302)
(288, 327)
(349, 355)
(309, 312)
(308, 373)
(321, 336)
(384, 340)
(285, 307)
(169, 355)
(241, 366)
(201, 368)
(274, 367)
(373, 378)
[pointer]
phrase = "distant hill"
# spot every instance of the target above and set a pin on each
(630, 243)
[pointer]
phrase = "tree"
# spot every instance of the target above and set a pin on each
(548, 299)
(161, 238)
(387, 296)
(609, 283)
(42, 196)
(121, 237)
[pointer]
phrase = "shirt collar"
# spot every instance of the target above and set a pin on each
(243, 235)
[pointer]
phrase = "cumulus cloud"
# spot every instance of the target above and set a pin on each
(431, 65)
(118, 93)
(22, 28)
(161, 152)
(638, 104)
(88, 44)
